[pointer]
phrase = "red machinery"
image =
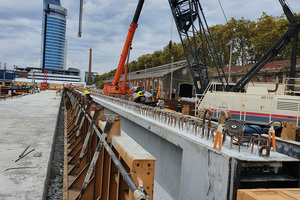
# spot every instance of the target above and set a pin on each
(114, 87)
(44, 84)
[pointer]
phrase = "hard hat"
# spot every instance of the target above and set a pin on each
(140, 94)
(87, 87)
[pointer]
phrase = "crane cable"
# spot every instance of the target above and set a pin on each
(287, 3)
(231, 43)
(223, 10)
(170, 54)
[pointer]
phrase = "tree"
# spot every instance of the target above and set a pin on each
(250, 41)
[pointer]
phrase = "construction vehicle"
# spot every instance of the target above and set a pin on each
(260, 104)
(191, 22)
(185, 13)
(44, 84)
(291, 34)
(114, 87)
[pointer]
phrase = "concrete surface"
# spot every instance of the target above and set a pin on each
(187, 166)
(27, 121)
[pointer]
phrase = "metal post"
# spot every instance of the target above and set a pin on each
(145, 76)
(293, 62)
(90, 69)
(230, 60)
(171, 84)
(80, 19)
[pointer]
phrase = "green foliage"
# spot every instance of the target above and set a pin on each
(99, 79)
(250, 41)
(100, 84)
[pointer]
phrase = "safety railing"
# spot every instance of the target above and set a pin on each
(9, 92)
(199, 97)
(98, 153)
(272, 108)
(291, 82)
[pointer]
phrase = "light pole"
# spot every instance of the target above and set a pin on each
(230, 61)
(145, 75)
(171, 84)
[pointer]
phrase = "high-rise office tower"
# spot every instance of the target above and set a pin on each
(53, 53)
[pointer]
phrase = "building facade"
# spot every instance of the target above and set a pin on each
(93, 75)
(272, 71)
(158, 79)
(53, 51)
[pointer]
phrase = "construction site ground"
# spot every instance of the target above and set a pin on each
(27, 123)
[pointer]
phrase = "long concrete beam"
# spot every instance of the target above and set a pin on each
(188, 167)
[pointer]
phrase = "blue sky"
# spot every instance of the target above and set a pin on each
(105, 26)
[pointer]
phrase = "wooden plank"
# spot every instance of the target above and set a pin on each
(289, 131)
(273, 194)
(139, 161)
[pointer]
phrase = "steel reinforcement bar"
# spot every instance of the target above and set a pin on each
(189, 124)
(203, 127)
(98, 153)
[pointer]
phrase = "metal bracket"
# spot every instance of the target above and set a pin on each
(97, 107)
(88, 105)
(107, 117)
(87, 138)
(110, 121)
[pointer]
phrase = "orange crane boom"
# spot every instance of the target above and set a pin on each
(114, 87)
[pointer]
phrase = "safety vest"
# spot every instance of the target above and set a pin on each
(179, 105)
(86, 92)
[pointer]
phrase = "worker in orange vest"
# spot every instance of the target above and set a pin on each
(179, 105)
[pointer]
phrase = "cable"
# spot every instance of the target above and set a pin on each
(223, 11)
(287, 3)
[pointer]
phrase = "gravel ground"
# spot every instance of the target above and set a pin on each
(56, 177)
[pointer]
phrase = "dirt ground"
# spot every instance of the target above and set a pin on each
(56, 177)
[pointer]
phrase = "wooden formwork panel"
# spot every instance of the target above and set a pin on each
(102, 179)
(138, 160)
(269, 194)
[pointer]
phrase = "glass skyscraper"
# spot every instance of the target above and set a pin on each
(53, 53)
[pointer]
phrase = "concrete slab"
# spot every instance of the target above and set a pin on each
(27, 121)
(187, 166)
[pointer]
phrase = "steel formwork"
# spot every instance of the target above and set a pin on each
(97, 155)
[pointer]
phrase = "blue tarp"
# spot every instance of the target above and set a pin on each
(7, 75)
